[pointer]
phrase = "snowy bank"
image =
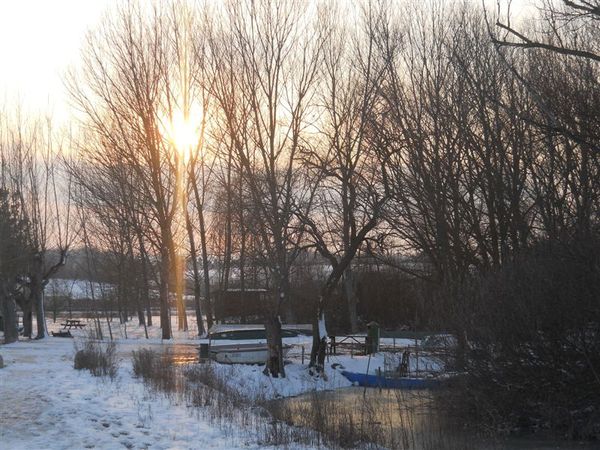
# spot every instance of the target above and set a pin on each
(250, 382)
(47, 404)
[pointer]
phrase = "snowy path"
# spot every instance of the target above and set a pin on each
(47, 404)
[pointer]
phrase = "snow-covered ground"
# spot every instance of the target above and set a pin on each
(77, 289)
(130, 330)
(250, 382)
(46, 404)
(130, 337)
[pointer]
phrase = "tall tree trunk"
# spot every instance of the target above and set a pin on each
(138, 290)
(242, 259)
(24, 302)
(9, 314)
(274, 365)
(197, 288)
(138, 295)
(28, 320)
(319, 344)
(349, 282)
(36, 292)
(165, 319)
(179, 291)
(121, 290)
(204, 251)
(205, 268)
(145, 278)
(138, 308)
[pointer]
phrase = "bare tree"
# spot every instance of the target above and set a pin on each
(33, 150)
(265, 60)
(131, 92)
(561, 19)
(568, 30)
(347, 168)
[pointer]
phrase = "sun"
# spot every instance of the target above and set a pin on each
(183, 133)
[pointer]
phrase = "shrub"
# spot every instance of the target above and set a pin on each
(216, 381)
(97, 357)
(143, 362)
(158, 373)
(535, 342)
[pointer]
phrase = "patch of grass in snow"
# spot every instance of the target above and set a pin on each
(208, 391)
(206, 375)
(156, 371)
(98, 357)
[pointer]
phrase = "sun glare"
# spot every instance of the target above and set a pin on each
(184, 134)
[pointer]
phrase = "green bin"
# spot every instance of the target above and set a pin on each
(373, 333)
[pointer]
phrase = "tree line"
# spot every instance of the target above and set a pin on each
(245, 135)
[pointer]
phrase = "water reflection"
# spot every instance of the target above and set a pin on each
(389, 418)
(180, 355)
(397, 419)
(171, 354)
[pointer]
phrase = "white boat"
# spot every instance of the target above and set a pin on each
(242, 353)
(255, 331)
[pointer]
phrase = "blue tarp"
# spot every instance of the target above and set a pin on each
(391, 383)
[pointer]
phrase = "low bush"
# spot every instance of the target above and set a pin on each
(98, 357)
(206, 375)
(144, 361)
(156, 371)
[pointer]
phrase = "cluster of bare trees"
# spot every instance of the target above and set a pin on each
(35, 218)
(256, 82)
(424, 132)
(221, 142)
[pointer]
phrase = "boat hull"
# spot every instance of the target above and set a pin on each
(247, 332)
(242, 354)
(389, 383)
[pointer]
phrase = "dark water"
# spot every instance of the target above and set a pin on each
(403, 419)
(391, 418)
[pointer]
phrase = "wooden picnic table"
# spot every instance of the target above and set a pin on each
(73, 323)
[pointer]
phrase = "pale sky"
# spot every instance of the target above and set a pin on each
(39, 39)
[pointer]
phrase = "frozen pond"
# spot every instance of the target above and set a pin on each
(406, 419)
